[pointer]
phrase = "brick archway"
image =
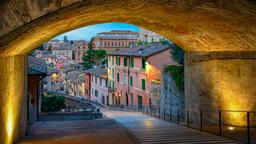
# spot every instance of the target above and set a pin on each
(198, 27)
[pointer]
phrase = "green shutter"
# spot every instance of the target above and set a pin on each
(106, 83)
(131, 81)
(125, 61)
(143, 82)
(132, 62)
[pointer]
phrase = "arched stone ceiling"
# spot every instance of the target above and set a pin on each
(195, 25)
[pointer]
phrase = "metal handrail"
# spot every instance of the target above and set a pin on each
(155, 111)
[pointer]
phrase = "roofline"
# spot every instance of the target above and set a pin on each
(38, 70)
(141, 56)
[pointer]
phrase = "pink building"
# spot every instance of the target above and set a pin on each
(99, 85)
(130, 72)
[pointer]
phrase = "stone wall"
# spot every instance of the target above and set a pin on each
(171, 96)
(13, 98)
(221, 81)
(154, 93)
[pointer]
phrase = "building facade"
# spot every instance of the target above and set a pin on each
(87, 86)
(65, 50)
(130, 72)
(99, 85)
(37, 70)
(147, 36)
(81, 47)
(115, 39)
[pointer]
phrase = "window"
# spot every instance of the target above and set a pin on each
(132, 62)
(117, 77)
(86, 91)
(117, 60)
(143, 84)
(131, 81)
(143, 63)
(112, 60)
(96, 92)
(106, 83)
(92, 78)
(95, 80)
(92, 91)
(112, 85)
(125, 61)
(125, 78)
(100, 81)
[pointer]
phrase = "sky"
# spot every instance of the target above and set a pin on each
(86, 33)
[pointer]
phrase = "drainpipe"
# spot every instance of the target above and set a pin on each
(128, 78)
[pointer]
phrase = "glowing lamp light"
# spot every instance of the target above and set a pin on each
(231, 128)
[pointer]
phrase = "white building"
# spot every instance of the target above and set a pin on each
(149, 36)
(65, 50)
(99, 85)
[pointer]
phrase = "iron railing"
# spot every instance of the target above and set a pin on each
(237, 125)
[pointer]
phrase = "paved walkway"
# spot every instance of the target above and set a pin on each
(118, 127)
(150, 130)
(99, 131)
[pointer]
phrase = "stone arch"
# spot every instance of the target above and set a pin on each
(195, 25)
(213, 25)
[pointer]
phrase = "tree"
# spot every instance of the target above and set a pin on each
(99, 55)
(177, 52)
(88, 58)
(49, 48)
(52, 103)
(92, 56)
(65, 39)
(176, 71)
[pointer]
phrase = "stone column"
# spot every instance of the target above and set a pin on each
(13, 98)
(221, 81)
